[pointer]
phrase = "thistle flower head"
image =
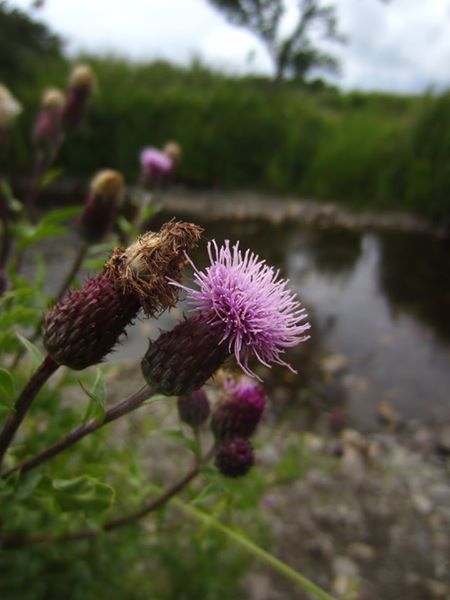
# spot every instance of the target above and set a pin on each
(9, 106)
(194, 408)
(54, 99)
(82, 76)
(244, 297)
(173, 151)
(145, 267)
(106, 193)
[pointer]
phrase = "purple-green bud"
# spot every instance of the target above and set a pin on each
(105, 195)
(85, 324)
(234, 458)
(81, 87)
(241, 411)
(47, 130)
(194, 409)
(183, 359)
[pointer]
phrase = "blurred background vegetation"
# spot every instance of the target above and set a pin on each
(371, 150)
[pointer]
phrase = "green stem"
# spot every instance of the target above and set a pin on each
(258, 552)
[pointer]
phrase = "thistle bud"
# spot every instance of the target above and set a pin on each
(183, 359)
(240, 412)
(81, 87)
(173, 151)
(234, 458)
(85, 324)
(156, 166)
(105, 195)
(47, 131)
(194, 409)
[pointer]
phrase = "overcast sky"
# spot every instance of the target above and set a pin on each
(402, 46)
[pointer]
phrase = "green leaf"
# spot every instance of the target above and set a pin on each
(18, 316)
(51, 176)
(7, 388)
(36, 355)
(83, 493)
(60, 215)
(178, 436)
(157, 398)
(96, 408)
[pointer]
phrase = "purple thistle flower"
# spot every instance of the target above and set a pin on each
(250, 303)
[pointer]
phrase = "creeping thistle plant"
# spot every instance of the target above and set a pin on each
(54, 488)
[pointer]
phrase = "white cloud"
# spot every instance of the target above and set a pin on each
(400, 46)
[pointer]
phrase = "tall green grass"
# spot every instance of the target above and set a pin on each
(369, 150)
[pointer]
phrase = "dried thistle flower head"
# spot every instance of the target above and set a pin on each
(99, 213)
(108, 183)
(145, 267)
(54, 99)
(85, 324)
(173, 151)
(10, 107)
(82, 76)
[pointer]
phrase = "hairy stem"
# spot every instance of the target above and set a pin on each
(113, 413)
(23, 403)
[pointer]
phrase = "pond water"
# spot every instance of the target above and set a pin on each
(379, 304)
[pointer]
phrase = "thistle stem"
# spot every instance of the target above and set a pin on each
(115, 412)
(78, 261)
(176, 488)
(23, 403)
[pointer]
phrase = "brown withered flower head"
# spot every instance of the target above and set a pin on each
(84, 326)
(81, 87)
(105, 195)
(145, 267)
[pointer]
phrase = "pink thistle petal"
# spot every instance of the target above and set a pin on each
(258, 314)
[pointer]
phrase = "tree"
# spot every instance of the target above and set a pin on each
(24, 43)
(294, 54)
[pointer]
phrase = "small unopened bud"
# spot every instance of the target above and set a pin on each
(81, 87)
(240, 412)
(194, 409)
(234, 458)
(47, 130)
(183, 359)
(100, 209)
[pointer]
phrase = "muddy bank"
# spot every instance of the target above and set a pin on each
(249, 205)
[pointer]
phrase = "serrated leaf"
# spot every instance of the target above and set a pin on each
(35, 354)
(83, 493)
(96, 408)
